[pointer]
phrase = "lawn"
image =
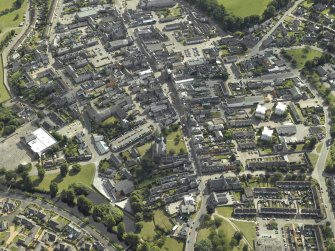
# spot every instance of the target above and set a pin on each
(143, 149)
(171, 244)
(244, 8)
(307, 4)
(203, 234)
(313, 158)
(225, 211)
(171, 142)
(319, 147)
(148, 230)
(247, 228)
(302, 55)
(109, 121)
(85, 177)
(9, 20)
(4, 95)
(162, 221)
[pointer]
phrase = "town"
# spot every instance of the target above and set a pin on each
(167, 125)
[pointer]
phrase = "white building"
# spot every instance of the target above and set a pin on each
(267, 134)
(280, 108)
(189, 205)
(39, 141)
(260, 112)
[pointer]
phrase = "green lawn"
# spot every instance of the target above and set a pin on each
(244, 8)
(225, 211)
(148, 230)
(313, 158)
(307, 4)
(171, 143)
(203, 234)
(85, 177)
(171, 244)
(8, 21)
(302, 55)
(4, 95)
(319, 147)
(162, 221)
(143, 149)
(247, 228)
(110, 121)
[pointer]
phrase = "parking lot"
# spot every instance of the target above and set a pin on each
(13, 151)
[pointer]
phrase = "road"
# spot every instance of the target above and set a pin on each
(87, 228)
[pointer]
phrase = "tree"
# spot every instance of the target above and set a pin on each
(217, 222)
(53, 189)
(121, 230)
(204, 245)
(84, 205)
(238, 236)
(41, 173)
(76, 168)
(210, 209)
(132, 239)
(245, 247)
(232, 158)
(138, 226)
(64, 169)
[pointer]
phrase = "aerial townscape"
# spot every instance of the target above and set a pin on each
(171, 125)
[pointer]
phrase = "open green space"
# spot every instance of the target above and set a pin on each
(225, 211)
(171, 244)
(247, 228)
(162, 221)
(307, 4)
(175, 145)
(109, 121)
(313, 157)
(85, 177)
(319, 147)
(148, 230)
(244, 8)
(143, 149)
(302, 55)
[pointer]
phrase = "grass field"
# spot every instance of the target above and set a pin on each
(172, 244)
(171, 144)
(225, 211)
(142, 150)
(302, 55)
(110, 121)
(247, 228)
(319, 147)
(244, 8)
(8, 22)
(162, 221)
(148, 230)
(85, 177)
(313, 158)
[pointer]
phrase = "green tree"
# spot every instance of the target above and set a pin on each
(64, 169)
(84, 205)
(132, 239)
(41, 173)
(245, 247)
(121, 230)
(76, 168)
(204, 245)
(53, 189)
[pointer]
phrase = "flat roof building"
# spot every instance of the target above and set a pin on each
(39, 141)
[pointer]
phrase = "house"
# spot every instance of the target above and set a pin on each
(267, 134)
(217, 199)
(224, 184)
(189, 205)
(3, 226)
(156, 4)
(260, 112)
(280, 108)
(286, 129)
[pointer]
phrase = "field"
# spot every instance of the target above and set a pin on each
(162, 221)
(171, 143)
(247, 228)
(244, 8)
(110, 121)
(172, 244)
(85, 177)
(302, 55)
(225, 211)
(313, 158)
(148, 230)
(142, 150)
(8, 22)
